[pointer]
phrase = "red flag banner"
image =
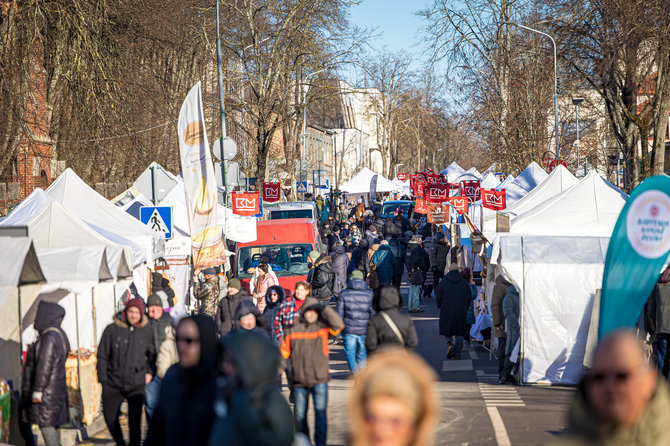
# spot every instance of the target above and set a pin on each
(420, 190)
(471, 189)
(420, 206)
(460, 204)
(271, 192)
(555, 163)
(246, 203)
(437, 193)
(494, 199)
(402, 176)
(438, 214)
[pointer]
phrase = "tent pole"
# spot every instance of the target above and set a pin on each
(95, 318)
(20, 332)
(76, 318)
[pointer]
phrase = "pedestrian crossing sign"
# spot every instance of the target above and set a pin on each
(157, 218)
(301, 187)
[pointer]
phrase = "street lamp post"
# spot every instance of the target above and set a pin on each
(222, 108)
(558, 154)
(578, 101)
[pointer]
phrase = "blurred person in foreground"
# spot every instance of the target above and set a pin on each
(393, 402)
(249, 407)
(184, 413)
(620, 401)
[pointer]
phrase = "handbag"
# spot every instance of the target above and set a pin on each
(374, 277)
(416, 277)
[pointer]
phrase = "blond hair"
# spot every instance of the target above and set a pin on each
(402, 375)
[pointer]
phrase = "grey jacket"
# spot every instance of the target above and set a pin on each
(511, 310)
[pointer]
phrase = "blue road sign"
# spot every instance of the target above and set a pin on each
(301, 187)
(157, 218)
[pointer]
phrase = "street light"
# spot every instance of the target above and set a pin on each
(222, 109)
(578, 101)
(558, 155)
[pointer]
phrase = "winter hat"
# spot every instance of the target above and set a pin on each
(311, 303)
(235, 283)
(453, 267)
(439, 236)
(409, 234)
(137, 303)
(314, 255)
(154, 300)
(210, 271)
(356, 274)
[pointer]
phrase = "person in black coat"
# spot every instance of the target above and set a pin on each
(44, 390)
(359, 258)
(380, 332)
(401, 222)
(354, 305)
(248, 318)
(321, 276)
(184, 414)
(399, 253)
(159, 321)
(415, 260)
(225, 311)
(274, 297)
(453, 296)
(340, 266)
(126, 356)
(389, 229)
(249, 408)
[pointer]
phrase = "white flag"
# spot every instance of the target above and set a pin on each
(199, 183)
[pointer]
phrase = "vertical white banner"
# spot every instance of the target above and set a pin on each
(199, 183)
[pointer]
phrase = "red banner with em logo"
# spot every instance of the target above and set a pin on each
(471, 189)
(246, 204)
(460, 204)
(494, 199)
(271, 192)
(437, 193)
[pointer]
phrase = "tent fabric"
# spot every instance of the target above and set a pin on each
(87, 263)
(506, 182)
(453, 171)
(106, 218)
(490, 181)
(558, 181)
(473, 171)
(527, 180)
(53, 226)
(20, 264)
(360, 183)
(557, 278)
(589, 208)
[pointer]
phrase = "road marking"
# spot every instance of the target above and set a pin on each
(459, 365)
(473, 354)
(496, 395)
(498, 427)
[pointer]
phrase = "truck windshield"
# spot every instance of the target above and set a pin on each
(285, 259)
(291, 213)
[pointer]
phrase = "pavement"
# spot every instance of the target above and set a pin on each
(475, 410)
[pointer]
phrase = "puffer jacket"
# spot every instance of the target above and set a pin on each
(379, 334)
(511, 310)
(44, 370)
(271, 309)
(453, 296)
(399, 252)
(415, 258)
(385, 262)
(354, 306)
(359, 259)
(323, 278)
(497, 314)
(158, 327)
(657, 309)
(125, 354)
(225, 312)
(306, 345)
(340, 265)
(438, 255)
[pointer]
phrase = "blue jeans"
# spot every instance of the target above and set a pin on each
(151, 392)
(354, 350)
(662, 353)
(457, 342)
(413, 299)
(320, 397)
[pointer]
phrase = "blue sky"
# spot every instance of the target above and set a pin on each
(396, 24)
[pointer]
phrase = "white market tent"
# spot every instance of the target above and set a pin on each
(360, 183)
(453, 171)
(401, 187)
(559, 180)
(506, 182)
(490, 181)
(105, 218)
(555, 257)
(473, 170)
(531, 176)
(20, 268)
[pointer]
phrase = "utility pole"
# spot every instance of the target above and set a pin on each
(222, 108)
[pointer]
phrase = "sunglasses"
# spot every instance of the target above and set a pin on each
(619, 377)
(187, 340)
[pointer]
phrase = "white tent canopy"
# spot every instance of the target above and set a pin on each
(531, 176)
(506, 182)
(106, 218)
(360, 183)
(53, 226)
(453, 171)
(490, 181)
(589, 208)
(473, 170)
(558, 181)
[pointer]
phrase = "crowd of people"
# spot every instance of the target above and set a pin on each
(215, 376)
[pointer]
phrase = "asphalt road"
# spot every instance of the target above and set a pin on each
(475, 410)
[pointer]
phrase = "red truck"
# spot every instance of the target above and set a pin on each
(287, 243)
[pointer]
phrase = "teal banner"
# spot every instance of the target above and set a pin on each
(636, 254)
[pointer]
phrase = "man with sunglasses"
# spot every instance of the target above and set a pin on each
(621, 401)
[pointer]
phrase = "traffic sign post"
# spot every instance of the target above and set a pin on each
(157, 218)
(301, 188)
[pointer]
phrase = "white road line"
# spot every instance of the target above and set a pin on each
(456, 366)
(473, 354)
(498, 427)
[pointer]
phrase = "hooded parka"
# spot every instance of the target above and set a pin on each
(379, 333)
(453, 296)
